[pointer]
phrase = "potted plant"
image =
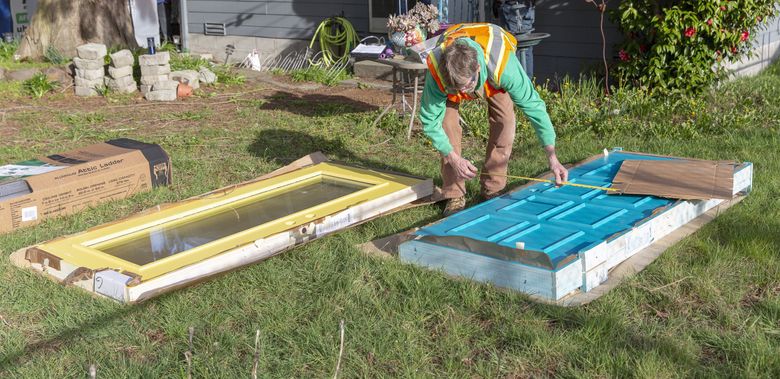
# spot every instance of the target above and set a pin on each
(413, 27)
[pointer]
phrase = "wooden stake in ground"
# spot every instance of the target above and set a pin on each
(341, 350)
(257, 355)
(92, 371)
(188, 353)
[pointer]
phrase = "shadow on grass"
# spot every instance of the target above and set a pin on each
(614, 334)
(748, 233)
(283, 146)
(66, 336)
(320, 105)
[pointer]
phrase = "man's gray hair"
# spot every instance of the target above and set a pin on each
(459, 63)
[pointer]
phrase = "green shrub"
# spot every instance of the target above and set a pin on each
(7, 50)
(319, 75)
(104, 90)
(228, 75)
(579, 108)
(681, 45)
(39, 85)
(10, 89)
(53, 55)
(186, 62)
(169, 47)
(225, 74)
(475, 118)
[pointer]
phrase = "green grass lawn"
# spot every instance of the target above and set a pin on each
(708, 307)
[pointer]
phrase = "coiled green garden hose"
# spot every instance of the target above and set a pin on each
(333, 33)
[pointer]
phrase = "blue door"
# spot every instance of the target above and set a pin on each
(557, 221)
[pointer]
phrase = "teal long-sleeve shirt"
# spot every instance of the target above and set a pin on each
(513, 80)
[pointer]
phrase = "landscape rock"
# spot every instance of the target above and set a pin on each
(120, 72)
(155, 70)
(58, 74)
(165, 85)
(145, 88)
(189, 77)
(88, 64)
(154, 60)
(128, 89)
(87, 83)
(154, 79)
(92, 51)
(21, 75)
(164, 95)
(90, 74)
(207, 76)
(85, 91)
(122, 58)
(116, 83)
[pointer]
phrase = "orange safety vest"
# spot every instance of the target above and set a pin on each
(497, 43)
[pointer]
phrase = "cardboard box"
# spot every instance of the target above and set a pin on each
(66, 183)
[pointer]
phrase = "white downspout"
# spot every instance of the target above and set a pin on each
(184, 26)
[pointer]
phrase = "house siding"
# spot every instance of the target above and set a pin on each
(275, 19)
(574, 45)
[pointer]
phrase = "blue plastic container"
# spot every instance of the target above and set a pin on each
(6, 23)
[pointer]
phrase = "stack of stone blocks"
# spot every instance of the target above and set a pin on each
(120, 72)
(156, 83)
(89, 68)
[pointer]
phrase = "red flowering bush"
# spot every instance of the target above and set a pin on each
(681, 44)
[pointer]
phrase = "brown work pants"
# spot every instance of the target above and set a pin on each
(501, 115)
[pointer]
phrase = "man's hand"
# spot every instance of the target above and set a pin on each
(561, 173)
(463, 168)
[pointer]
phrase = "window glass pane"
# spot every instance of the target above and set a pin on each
(166, 240)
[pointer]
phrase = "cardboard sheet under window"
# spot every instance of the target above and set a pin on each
(688, 180)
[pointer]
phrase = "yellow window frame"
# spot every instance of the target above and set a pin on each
(83, 250)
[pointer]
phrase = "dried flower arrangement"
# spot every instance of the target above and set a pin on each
(425, 16)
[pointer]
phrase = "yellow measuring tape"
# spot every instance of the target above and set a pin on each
(552, 181)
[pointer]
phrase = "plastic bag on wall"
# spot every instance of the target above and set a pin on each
(252, 61)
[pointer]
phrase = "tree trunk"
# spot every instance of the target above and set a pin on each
(65, 24)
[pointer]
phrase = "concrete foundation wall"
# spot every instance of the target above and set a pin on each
(765, 55)
(266, 47)
(574, 45)
(766, 48)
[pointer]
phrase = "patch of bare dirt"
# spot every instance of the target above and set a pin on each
(133, 112)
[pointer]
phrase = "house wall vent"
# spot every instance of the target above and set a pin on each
(214, 29)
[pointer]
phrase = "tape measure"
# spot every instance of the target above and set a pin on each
(552, 181)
